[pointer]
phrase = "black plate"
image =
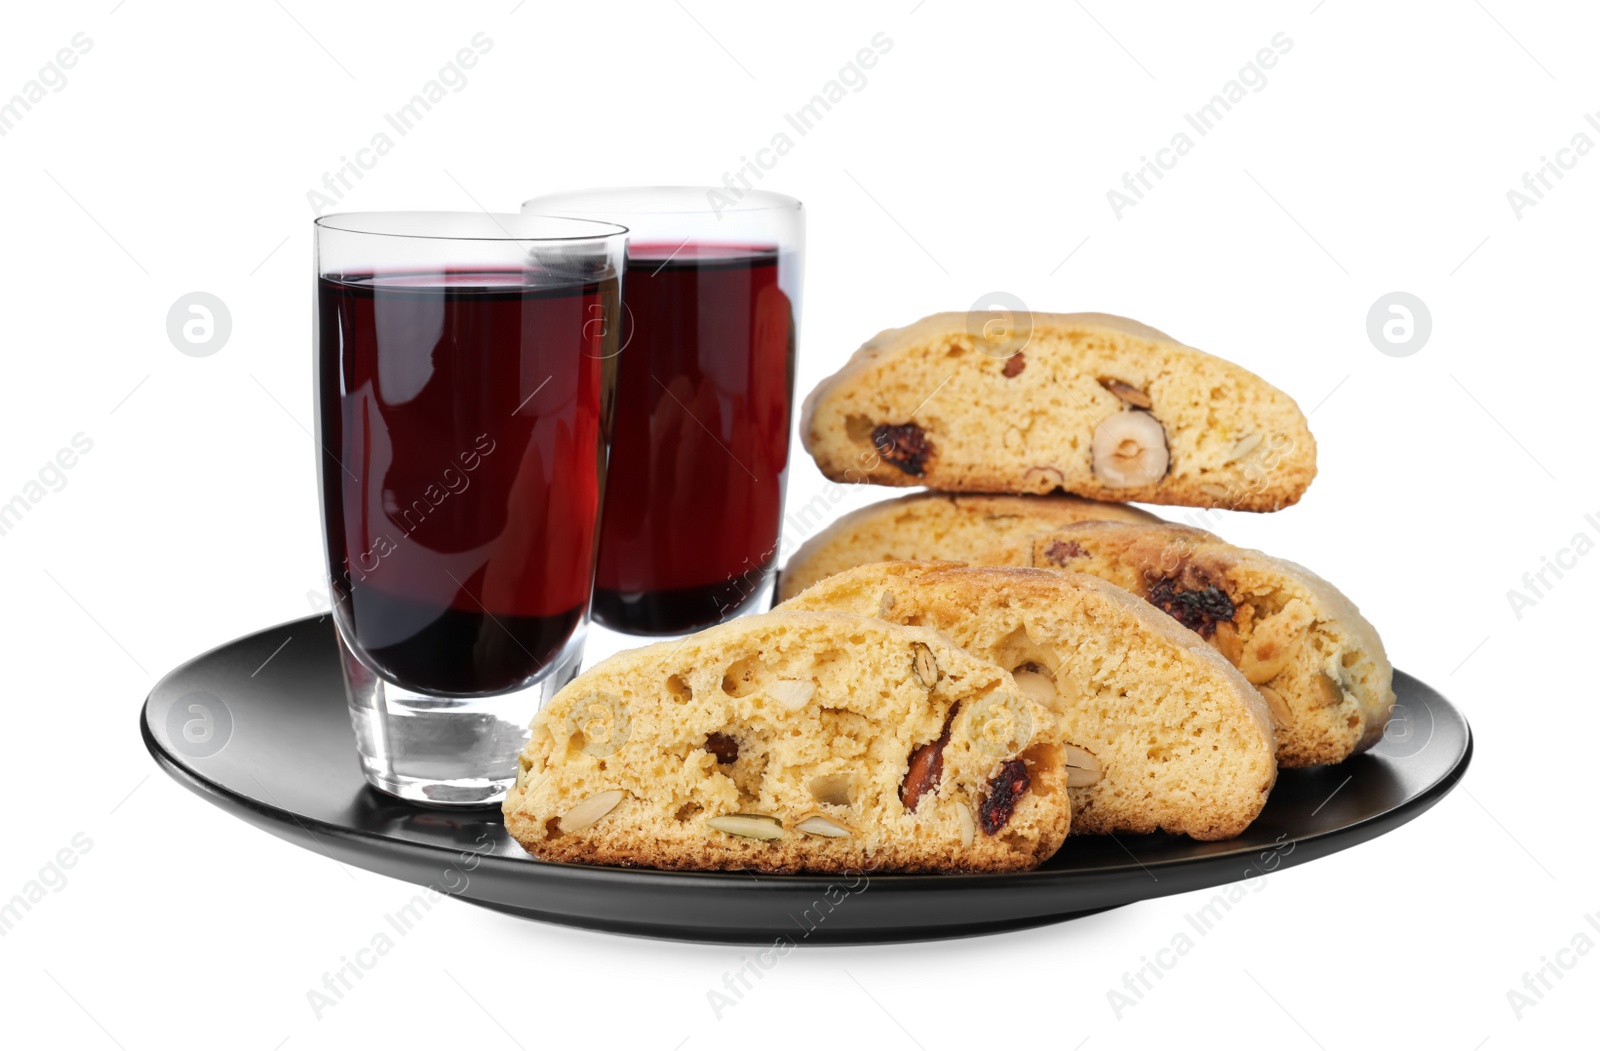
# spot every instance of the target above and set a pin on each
(260, 728)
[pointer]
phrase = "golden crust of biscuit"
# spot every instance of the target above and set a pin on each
(1295, 636)
(794, 725)
(936, 403)
(951, 526)
(1182, 742)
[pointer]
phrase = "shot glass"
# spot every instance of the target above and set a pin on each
(465, 366)
(705, 388)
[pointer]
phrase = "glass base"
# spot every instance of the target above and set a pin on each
(445, 751)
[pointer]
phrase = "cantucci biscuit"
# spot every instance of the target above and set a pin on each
(1091, 404)
(937, 526)
(1160, 732)
(1316, 660)
(784, 742)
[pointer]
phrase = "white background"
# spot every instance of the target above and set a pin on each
(976, 158)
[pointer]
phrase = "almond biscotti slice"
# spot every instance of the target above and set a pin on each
(1316, 660)
(794, 741)
(1091, 404)
(937, 527)
(1160, 732)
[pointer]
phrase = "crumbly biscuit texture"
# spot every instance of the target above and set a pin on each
(794, 741)
(1091, 404)
(1160, 733)
(1316, 660)
(937, 527)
